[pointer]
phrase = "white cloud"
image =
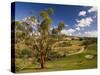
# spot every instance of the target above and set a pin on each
(84, 22)
(71, 30)
(66, 25)
(90, 33)
(92, 9)
(68, 32)
(82, 13)
(78, 28)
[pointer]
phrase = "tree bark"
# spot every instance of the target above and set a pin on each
(42, 60)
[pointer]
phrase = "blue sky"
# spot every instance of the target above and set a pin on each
(79, 20)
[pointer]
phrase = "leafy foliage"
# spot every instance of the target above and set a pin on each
(33, 37)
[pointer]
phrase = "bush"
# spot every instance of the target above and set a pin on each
(53, 55)
(25, 53)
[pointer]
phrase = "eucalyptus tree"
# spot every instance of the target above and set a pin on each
(36, 34)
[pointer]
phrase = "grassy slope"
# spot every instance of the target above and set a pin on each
(66, 63)
(70, 63)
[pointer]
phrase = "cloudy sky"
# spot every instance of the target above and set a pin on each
(79, 20)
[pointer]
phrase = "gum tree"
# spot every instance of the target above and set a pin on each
(36, 34)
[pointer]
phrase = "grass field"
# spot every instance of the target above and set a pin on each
(72, 62)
